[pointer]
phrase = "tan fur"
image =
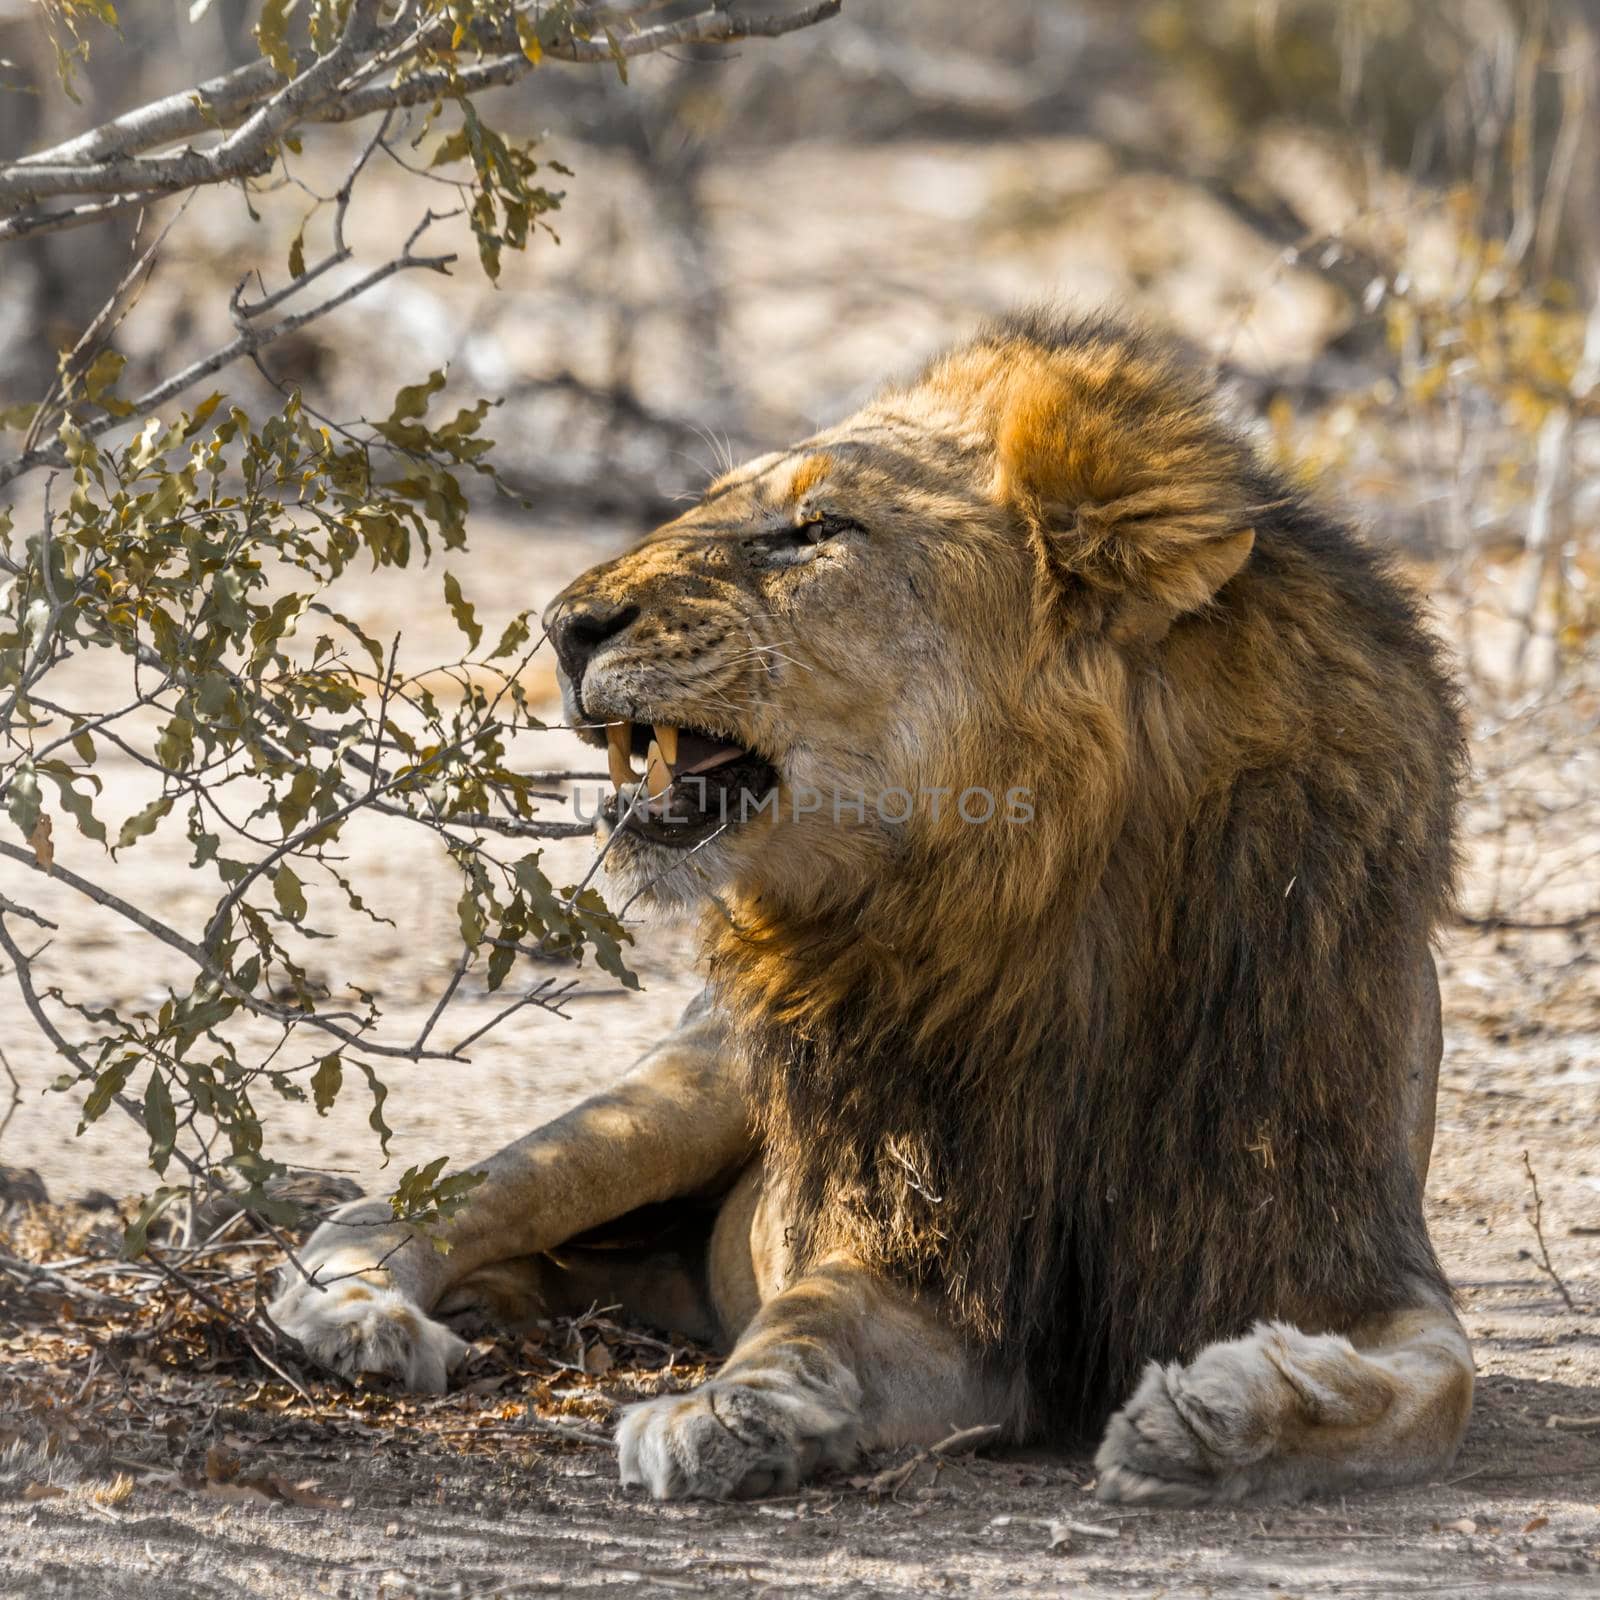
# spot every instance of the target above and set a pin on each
(1119, 1111)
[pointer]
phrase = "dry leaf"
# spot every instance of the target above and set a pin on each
(1534, 1524)
(482, 1386)
(43, 1491)
(113, 1493)
(44, 850)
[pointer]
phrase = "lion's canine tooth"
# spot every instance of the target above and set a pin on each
(657, 774)
(667, 738)
(619, 743)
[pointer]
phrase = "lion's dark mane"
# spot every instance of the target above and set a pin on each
(1174, 1100)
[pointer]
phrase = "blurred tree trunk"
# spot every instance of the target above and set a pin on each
(55, 283)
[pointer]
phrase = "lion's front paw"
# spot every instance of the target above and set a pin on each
(356, 1327)
(1235, 1422)
(731, 1440)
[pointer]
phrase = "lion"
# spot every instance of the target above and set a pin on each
(1088, 1095)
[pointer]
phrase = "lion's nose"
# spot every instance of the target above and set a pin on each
(582, 627)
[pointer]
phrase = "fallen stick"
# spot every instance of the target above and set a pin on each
(528, 1430)
(1089, 1530)
(1059, 1530)
(893, 1479)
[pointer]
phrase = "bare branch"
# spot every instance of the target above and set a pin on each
(247, 343)
(25, 226)
(336, 88)
(1495, 924)
(175, 940)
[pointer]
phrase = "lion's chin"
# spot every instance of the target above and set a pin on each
(664, 879)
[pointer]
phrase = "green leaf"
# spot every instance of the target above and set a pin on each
(22, 798)
(205, 844)
(134, 1238)
(412, 401)
(469, 913)
(287, 891)
(411, 1193)
(201, 414)
(325, 1082)
(101, 378)
(423, 1196)
(276, 1208)
(462, 611)
(500, 960)
(607, 935)
(143, 822)
(108, 1084)
(453, 147)
(89, 825)
(277, 623)
(160, 1120)
(175, 744)
(516, 635)
(295, 806)
(380, 1093)
(227, 600)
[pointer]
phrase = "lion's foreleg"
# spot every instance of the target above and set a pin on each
(839, 1361)
(674, 1126)
(1281, 1414)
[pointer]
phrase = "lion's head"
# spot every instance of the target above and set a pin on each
(1104, 1037)
(903, 636)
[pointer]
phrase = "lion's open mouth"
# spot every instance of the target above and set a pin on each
(694, 783)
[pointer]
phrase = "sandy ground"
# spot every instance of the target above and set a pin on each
(427, 1513)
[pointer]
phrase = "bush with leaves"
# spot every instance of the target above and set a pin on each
(207, 548)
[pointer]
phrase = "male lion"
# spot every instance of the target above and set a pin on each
(1109, 1111)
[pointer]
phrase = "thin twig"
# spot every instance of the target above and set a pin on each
(247, 342)
(1494, 924)
(1538, 1233)
(532, 1425)
(189, 1287)
(16, 1094)
(169, 936)
(893, 1479)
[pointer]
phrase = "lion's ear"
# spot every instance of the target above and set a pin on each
(1136, 496)
(1190, 577)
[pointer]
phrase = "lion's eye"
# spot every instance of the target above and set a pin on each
(827, 526)
(796, 542)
